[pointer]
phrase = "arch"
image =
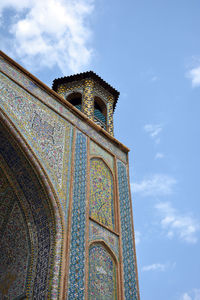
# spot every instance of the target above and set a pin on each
(32, 199)
(100, 112)
(102, 272)
(75, 99)
(102, 208)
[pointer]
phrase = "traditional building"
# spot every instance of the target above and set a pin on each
(66, 224)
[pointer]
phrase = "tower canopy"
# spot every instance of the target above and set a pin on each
(91, 94)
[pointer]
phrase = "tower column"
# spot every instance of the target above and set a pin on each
(110, 115)
(88, 99)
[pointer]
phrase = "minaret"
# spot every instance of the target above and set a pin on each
(91, 95)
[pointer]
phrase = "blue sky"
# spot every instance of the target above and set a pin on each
(150, 51)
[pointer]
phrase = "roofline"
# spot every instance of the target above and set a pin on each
(64, 102)
(87, 75)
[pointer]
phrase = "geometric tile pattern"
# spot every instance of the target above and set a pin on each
(78, 222)
(97, 232)
(47, 133)
(98, 151)
(130, 285)
(102, 274)
(101, 193)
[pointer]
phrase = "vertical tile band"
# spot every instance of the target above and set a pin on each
(78, 224)
(130, 285)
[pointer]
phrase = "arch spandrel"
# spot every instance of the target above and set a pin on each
(39, 216)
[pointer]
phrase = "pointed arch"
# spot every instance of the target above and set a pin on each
(102, 207)
(103, 272)
(75, 98)
(100, 112)
(35, 203)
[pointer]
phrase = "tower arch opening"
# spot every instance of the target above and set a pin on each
(100, 112)
(75, 99)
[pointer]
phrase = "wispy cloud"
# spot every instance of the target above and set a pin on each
(185, 227)
(154, 185)
(194, 76)
(193, 295)
(49, 32)
(158, 267)
(154, 78)
(159, 155)
(154, 130)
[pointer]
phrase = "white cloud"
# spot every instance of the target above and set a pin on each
(158, 267)
(153, 129)
(155, 185)
(51, 32)
(194, 76)
(154, 78)
(185, 296)
(159, 155)
(193, 295)
(185, 227)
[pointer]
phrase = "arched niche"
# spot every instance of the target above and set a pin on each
(30, 223)
(75, 99)
(102, 207)
(102, 272)
(100, 112)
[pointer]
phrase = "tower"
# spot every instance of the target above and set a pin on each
(65, 186)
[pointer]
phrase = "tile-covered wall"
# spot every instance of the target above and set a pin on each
(96, 150)
(97, 232)
(102, 274)
(49, 136)
(76, 283)
(129, 264)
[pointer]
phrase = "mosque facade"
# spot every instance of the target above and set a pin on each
(66, 223)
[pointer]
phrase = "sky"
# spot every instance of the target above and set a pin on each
(149, 50)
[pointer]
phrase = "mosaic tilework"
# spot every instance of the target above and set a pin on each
(110, 115)
(14, 244)
(101, 193)
(37, 202)
(33, 88)
(48, 135)
(102, 274)
(65, 90)
(98, 151)
(130, 285)
(88, 99)
(78, 226)
(97, 232)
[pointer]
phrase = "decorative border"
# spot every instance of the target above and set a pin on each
(129, 264)
(78, 222)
